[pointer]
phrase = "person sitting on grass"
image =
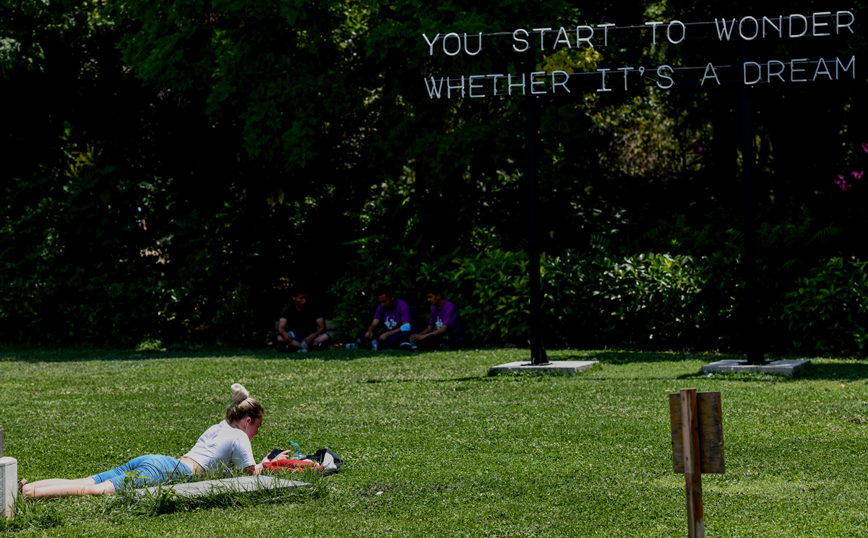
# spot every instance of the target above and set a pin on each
(394, 314)
(223, 446)
(301, 325)
(444, 325)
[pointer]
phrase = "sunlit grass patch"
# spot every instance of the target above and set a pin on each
(434, 446)
(32, 516)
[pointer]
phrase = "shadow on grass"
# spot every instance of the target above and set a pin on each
(631, 357)
(40, 355)
(94, 354)
(80, 354)
(820, 371)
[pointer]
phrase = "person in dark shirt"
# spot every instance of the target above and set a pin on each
(301, 325)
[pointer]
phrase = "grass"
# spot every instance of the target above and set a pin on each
(433, 446)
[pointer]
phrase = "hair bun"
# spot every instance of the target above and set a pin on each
(239, 393)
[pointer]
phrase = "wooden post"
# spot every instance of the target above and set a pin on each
(696, 419)
(692, 471)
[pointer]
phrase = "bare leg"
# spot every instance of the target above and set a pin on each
(60, 487)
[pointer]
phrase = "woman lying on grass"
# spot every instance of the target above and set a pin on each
(224, 445)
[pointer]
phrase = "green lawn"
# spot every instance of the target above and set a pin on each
(434, 447)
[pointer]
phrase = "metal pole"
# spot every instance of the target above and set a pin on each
(751, 304)
(537, 351)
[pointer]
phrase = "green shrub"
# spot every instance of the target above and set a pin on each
(644, 301)
(397, 268)
(491, 291)
(828, 311)
(647, 301)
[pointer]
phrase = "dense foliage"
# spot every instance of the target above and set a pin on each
(173, 168)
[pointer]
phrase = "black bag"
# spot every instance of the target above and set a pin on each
(325, 457)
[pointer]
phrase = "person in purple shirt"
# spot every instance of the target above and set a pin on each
(444, 326)
(394, 317)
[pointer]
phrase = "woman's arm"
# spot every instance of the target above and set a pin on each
(254, 469)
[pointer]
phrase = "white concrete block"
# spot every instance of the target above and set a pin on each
(238, 483)
(562, 367)
(785, 368)
(8, 484)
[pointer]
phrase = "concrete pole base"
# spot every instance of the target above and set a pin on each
(559, 367)
(785, 368)
(8, 484)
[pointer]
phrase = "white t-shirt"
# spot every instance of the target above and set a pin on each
(222, 447)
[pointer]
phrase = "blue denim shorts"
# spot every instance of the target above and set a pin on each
(150, 470)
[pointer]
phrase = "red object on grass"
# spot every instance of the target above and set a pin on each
(291, 465)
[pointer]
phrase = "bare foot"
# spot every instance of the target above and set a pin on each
(21, 484)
